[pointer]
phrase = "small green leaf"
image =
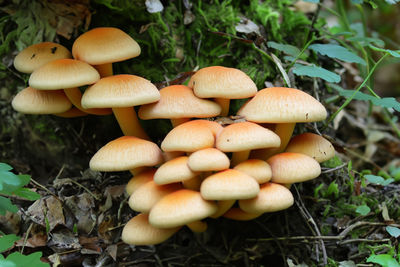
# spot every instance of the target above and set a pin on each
(17, 259)
(363, 210)
(6, 205)
(5, 167)
(384, 260)
(27, 194)
(392, 2)
(337, 51)
(391, 52)
(386, 102)
(7, 241)
(379, 180)
(312, 1)
(318, 72)
(364, 41)
(285, 48)
(393, 231)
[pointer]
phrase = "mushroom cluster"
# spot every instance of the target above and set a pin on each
(203, 168)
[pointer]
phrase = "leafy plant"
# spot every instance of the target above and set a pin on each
(13, 185)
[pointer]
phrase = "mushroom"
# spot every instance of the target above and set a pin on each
(139, 179)
(222, 84)
(228, 185)
(67, 74)
(285, 107)
(256, 168)
(179, 104)
(238, 214)
(103, 46)
(146, 196)
(35, 56)
(179, 208)
(121, 93)
(32, 101)
(191, 136)
(175, 170)
(289, 167)
(272, 197)
(312, 145)
(126, 153)
(208, 159)
(138, 231)
(242, 137)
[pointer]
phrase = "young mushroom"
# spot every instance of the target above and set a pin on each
(223, 84)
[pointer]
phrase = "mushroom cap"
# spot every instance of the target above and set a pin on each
(178, 101)
(139, 179)
(289, 167)
(222, 82)
(283, 105)
(197, 226)
(35, 56)
(191, 136)
(119, 91)
(63, 73)
(312, 145)
(256, 168)
(175, 170)
(126, 153)
(32, 101)
(238, 214)
(246, 136)
(272, 197)
(229, 184)
(208, 159)
(180, 207)
(138, 231)
(105, 45)
(146, 196)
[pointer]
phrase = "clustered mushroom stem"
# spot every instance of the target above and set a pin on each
(74, 95)
(239, 156)
(223, 207)
(129, 123)
(197, 226)
(176, 122)
(224, 103)
(104, 70)
(137, 170)
(284, 131)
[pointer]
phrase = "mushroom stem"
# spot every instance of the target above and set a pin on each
(104, 70)
(223, 207)
(72, 113)
(74, 95)
(129, 123)
(176, 122)
(197, 226)
(193, 183)
(224, 103)
(284, 131)
(239, 156)
(138, 170)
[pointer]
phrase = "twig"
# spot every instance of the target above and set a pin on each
(84, 188)
(26, 237)
(310, 219)
(334, 169)
(45, 189)
(344, 242)
(362, 223)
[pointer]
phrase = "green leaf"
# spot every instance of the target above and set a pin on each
(392, 2)
(285, 48)
(6, 205)
(379, 180)
(7, 241)
(5, 167)
(318, 72)
(391, 52)
(363, 210)
(393, 231)
(27, 194)
(17, 259)
(312, 1)
(337, 51)
(364, 41)
(384, 260)
(386, 102)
